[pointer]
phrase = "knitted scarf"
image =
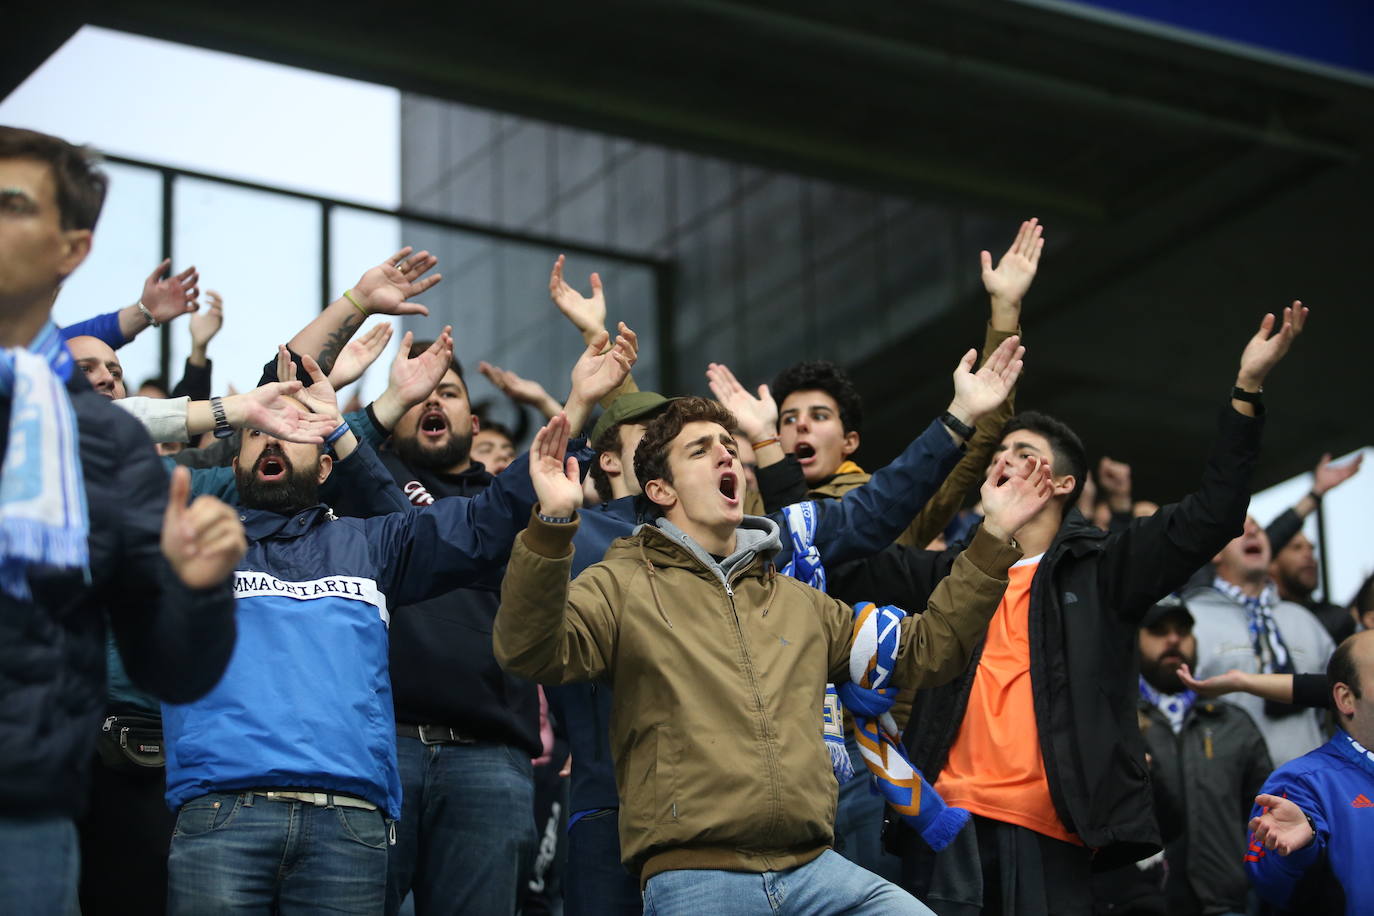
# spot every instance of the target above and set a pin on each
(43, 517)
(869, 695)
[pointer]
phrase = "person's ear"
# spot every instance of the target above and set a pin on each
(1062, 486)
(610, 463)
(326, 466)
(1344, 697)
(77, 247)
(851, 443)
(661, 493)
(476, 425)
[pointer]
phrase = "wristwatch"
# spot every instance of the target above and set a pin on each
(956, 426)
(222, 428)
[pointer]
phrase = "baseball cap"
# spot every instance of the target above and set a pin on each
(628, 407)
(1168, 606)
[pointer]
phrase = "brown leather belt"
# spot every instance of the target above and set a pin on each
(434, 734)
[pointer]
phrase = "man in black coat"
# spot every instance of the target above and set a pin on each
(155, 568)
(1038, 738)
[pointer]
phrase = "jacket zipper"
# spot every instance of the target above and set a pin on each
(774, 775)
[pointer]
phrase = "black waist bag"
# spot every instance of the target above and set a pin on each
(131, 743)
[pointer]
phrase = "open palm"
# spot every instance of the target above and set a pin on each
(554, 479)
(387, 288)
(1264, 350)
(979, 392)
(587, 313)
(597, 373)
(1012, 276)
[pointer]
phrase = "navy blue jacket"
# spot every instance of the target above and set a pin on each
(865, 521)
(175, 641)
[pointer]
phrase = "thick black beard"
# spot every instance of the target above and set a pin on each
(1163, 679)
(455, 451)
(298, 490)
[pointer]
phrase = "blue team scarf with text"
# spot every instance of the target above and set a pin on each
(43, 517)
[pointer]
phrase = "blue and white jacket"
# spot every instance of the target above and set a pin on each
(306, 700)
(1334, 786)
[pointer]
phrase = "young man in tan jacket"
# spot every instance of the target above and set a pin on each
(719, 666)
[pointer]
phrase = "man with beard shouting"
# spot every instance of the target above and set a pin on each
(465, 729)
(285, 775)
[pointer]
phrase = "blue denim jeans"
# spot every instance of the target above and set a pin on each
(597, 884)
(239, 852)
(39, 863)
(827, 886)
(466, 834)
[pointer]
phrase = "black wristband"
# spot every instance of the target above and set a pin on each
(1252, 397)
(222, 428)
(957, 426)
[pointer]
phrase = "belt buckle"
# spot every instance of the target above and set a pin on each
(443, 734)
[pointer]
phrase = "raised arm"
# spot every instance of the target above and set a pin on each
(542, 630)
(1006, 285)
(412, 379)
(939, 642)
(588, 315)
(383, 290)
(164, 299)
(1155, 556)
(520, 390)
(1325, 477)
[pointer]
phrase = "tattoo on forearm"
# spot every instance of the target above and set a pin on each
(335, 342)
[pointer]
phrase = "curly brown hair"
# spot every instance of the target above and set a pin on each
(651, 458)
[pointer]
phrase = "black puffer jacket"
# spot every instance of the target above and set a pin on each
(175, 641)
(1087, 599)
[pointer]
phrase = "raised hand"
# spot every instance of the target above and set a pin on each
(588, 315)
(757, 416)
(555, 481)
(319, 395)
(1008, 282)
(274, 408)
(1265, 349)
(1282, 827)
(598, 371)
(205, 324)
(520, 390)
(976, 393)
(387, 288)
(203, 542)
(1016, 500)
(170, 297)
(1325, 476)
(414, 379)
(358, 354)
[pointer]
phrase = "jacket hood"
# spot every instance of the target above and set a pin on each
(668, 546)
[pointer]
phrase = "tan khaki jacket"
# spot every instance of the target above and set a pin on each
(716, 725)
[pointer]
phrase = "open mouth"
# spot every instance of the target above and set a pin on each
(433, 424)
(805, 452)
(1253, 550)
(729, 487)
(271, 467)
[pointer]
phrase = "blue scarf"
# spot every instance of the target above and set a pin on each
(43, 518)
(1174, 706)
(869, 694)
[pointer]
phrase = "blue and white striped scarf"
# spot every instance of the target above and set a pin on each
(43, 517)
(1271, 652)
(869, 694)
